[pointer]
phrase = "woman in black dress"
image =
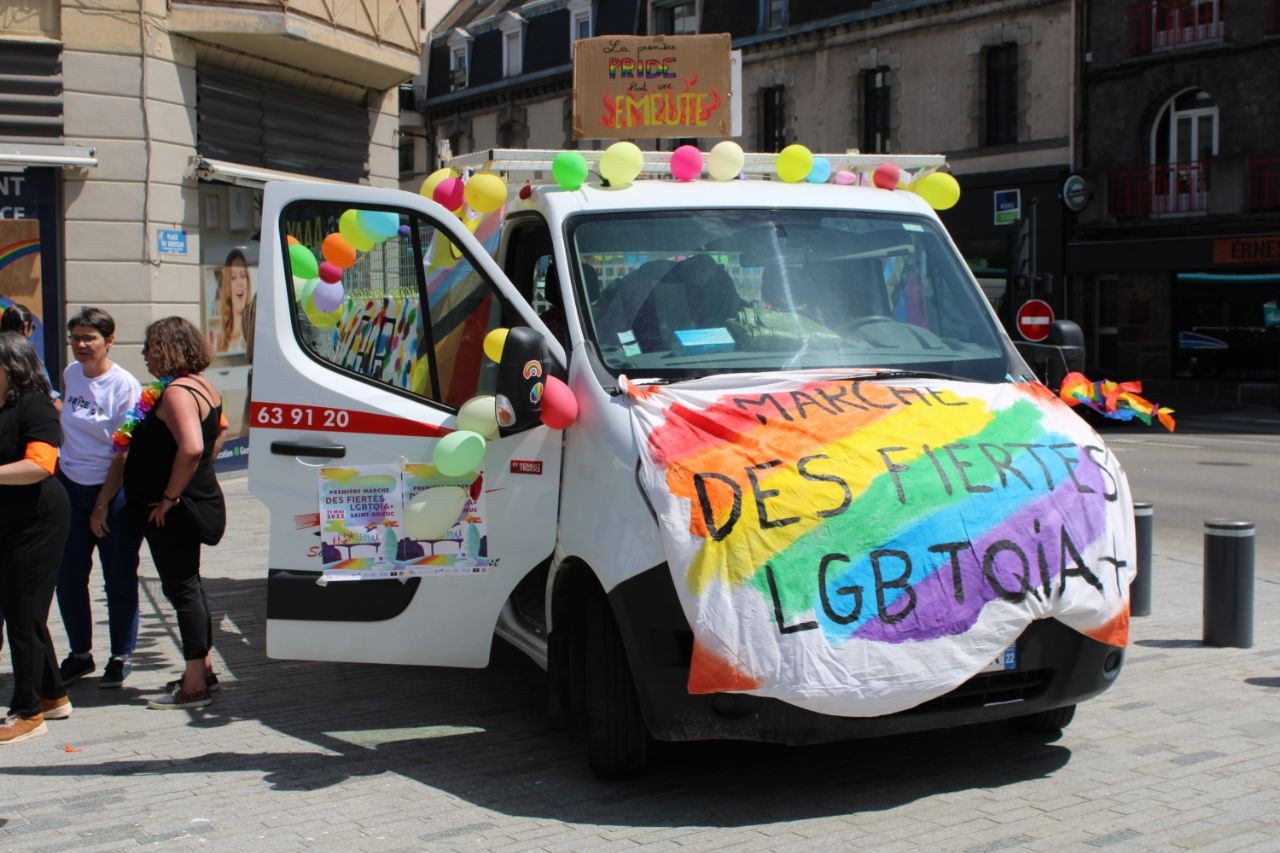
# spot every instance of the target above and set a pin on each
(34, 518)
(174, 499)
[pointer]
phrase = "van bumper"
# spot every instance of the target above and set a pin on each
(1056, 666)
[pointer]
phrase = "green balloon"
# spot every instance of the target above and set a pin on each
(458, 453)
(569, 169)
(303, 262)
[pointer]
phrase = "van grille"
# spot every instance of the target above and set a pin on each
(990, 689)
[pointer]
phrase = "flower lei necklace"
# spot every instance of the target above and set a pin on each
(147, 400)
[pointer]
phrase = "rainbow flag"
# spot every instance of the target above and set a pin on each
(858, 546)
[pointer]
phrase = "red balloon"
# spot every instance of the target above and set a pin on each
(330, 272)
(559, 407)
(449, 194)
(886, 176)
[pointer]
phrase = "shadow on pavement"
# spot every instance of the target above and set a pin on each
(482, 736)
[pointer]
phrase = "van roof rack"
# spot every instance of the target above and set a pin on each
(657, 163)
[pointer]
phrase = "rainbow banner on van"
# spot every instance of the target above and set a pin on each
(857, 546)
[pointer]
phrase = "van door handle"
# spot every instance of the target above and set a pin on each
(299, 448)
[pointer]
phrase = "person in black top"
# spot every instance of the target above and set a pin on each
(173, 494)
(34, 519)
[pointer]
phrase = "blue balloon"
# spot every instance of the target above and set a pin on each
(381, 223)
(820, 172)
(405, 231)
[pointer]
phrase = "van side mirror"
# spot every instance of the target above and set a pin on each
(524, 366)
(1061, 353)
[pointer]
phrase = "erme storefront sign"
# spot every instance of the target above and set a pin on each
(650, 87)
(1247, 250)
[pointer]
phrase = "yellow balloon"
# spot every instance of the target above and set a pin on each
(794, 163)
(494, 342)
(725, 161)
(350, 229)
(485, 192)
(429, 185)
(620, 163)
(480, 414)
(939, 189)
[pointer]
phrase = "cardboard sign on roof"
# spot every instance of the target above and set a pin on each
(651, 87)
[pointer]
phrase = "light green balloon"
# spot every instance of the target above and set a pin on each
(459, 453)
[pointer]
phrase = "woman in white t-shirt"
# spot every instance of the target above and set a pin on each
(97, 394)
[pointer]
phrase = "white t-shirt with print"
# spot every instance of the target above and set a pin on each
(92, 409)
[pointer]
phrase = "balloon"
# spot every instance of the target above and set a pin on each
(405, 230)
(302, 262)
(330, 272)
(569, 169)
(458, 452)
(493, 344)
(302, 290)
(378, 224)
(350, 229)
(725, 161)
(844, 178)
(794, 163)
(620, 163)
(686, 163)
(428, 189)
(886, 176)
(338, 251)
(479, 414)
(820, 172)
(431, 512)
(291, 240)
(485, 192)
(559, 407)
(939, 189)
(323, 320)
(327, 297)
(449, 194)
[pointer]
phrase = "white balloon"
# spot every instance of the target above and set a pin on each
(431, 512)
(480, 414)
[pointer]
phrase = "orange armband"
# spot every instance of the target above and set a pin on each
(44, 455)
(222, 421)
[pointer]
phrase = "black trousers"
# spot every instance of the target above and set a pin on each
(30, 554)
(175, 549)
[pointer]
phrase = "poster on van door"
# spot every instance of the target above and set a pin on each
(857, 547)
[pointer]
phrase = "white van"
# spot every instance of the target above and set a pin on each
(810, 490)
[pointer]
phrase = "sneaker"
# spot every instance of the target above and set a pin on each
(56, 709)
(114, 675)
(75, 668)
(210, 684)
(17, 728)
(179, 699)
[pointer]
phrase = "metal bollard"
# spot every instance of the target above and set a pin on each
(1140, 589)
(1228, 583)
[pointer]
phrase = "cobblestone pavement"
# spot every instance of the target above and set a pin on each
(1183, 753)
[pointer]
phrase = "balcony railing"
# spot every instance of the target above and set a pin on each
(1165, 189)
(1264, 183)
(1156, 26)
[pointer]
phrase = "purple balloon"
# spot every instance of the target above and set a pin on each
(326, 297)
(404, 231)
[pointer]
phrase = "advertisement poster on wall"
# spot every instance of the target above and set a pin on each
(21, 277)
(230, 224)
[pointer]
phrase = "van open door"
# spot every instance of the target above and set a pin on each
(369, 339)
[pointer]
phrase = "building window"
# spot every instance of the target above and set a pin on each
(406, 155)
(773, 118)
(875, 111)
(1000, 114)
(511, 55)
(458, 78)
(773, 15)
(675, 19)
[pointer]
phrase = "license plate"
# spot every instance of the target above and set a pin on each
(1005, 661)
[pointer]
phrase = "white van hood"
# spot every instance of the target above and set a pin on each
(857, 546)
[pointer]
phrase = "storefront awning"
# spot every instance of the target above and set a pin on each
(57, 156)
(207, 169)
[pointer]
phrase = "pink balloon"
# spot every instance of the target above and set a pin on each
(449, 193)
(330, 272)
(845, 177)
(886, 176)
(559, 407)
(686, 163)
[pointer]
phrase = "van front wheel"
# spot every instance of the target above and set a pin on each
(617, 741)
(1046, 722)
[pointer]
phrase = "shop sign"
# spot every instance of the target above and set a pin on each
(652, 87)
(1264, 249)
(1008, 206)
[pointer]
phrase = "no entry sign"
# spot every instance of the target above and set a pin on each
(1034, 318)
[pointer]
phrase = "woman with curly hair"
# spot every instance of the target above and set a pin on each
(234, 292)
(34, 518)
(172, 438)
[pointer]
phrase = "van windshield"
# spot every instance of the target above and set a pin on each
(684, 293)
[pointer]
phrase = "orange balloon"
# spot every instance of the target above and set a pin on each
(290, 239)
(338, 251)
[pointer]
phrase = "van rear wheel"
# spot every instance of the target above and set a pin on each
(617, 740)
(1046, 722)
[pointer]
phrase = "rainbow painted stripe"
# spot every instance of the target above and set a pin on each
(821, 531)
(20, 249)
